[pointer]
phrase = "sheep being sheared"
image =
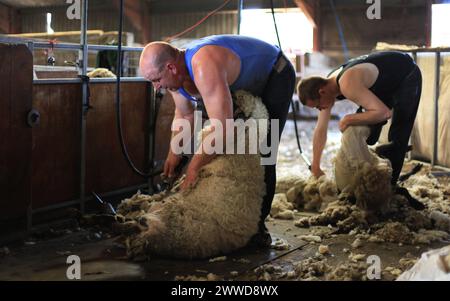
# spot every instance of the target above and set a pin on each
(218, 215)
(360, 172)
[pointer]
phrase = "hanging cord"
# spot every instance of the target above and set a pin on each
(275, 23)
(340, 30)
(189, 29)
(118, 110)
(294, 111)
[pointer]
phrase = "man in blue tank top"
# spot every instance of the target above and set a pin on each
(208, 70)
(384, 84)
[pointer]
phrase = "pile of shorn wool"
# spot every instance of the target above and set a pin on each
(359, 173)
(361, 198)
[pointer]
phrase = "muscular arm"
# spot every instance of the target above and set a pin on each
(211, 81)
(183, 110)
(353, 87)
(319, 140)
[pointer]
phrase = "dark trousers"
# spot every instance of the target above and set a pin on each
(277, 96)
(405, 104)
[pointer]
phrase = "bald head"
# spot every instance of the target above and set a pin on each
(155, 55)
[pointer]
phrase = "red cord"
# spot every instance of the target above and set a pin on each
(198, 23)
(52, 43)
(51, 48)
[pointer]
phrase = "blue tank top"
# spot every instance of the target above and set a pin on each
(257, 60)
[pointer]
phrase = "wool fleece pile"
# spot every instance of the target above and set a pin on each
(359, 202)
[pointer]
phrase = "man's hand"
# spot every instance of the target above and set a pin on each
(316, 171)
(191, 177)
(172, 161)
(344, 123)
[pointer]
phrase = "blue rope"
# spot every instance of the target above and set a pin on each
(340, 30)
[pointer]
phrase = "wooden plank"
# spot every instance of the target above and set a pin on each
(15, 149)
(4, 19)
(56, 144)
(138, 14)
(106, 167)
(146, 22)
(105, 261)
(163, 126)
(5, 120)
(308, 10)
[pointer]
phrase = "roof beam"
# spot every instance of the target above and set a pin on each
(308, 10)
(138, 14)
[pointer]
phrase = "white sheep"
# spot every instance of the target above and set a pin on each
(360, 172)
(218, 215)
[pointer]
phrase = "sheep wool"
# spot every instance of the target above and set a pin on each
(218, 215)
(281, 208)
(313, 194)
(361, 172)
(101, 72)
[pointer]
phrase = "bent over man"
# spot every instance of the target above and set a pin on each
(208, 70)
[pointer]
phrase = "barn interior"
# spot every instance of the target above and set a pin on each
(85, 138)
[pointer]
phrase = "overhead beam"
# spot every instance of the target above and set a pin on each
(138, 14)
(146, 22)
(312, 13)
(308, 10)
(9, 19)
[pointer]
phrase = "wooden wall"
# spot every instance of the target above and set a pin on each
(41, 165)
(402, 22)
(10, 21)
(56, 142)
(16, 77)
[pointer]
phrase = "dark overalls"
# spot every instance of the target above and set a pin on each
(399, 87)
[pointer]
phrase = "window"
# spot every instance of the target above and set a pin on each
(49, 24)
(440, 32)
(296, 32)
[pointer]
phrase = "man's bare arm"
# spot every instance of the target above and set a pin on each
(375, 110)
(183, 110)
(211, 82)
(320, 140)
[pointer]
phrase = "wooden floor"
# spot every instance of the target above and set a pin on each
(102, 259)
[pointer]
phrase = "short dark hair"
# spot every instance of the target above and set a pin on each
(309, 88)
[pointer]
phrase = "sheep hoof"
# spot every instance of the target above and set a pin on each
(126, 228)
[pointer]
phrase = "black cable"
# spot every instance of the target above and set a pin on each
(294, 111)
(118, 110)
(275, 23)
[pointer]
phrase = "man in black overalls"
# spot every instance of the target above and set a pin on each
(378, 83)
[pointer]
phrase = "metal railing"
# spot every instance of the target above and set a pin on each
(437, 78)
